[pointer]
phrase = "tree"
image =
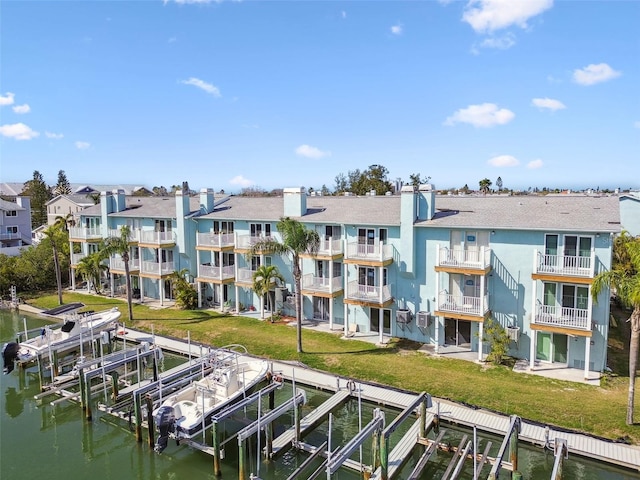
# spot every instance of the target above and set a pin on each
(95, 197)
(624, 279)
(91, 268)
(416, 179)
(296, 240)
(120, 246)
(264, 279)
(55, 235)
(39, 192)
(498, 339)
(499, 184)
(361, 183)
(185, 294)
(485, 184)
(63, 187)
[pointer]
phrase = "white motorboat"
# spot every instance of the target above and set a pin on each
(183, 414)
(75, 326)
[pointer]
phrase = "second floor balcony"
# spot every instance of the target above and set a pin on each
(372, 294)
(116, 264)
(211, 272)
(246, 242)
(76, 257)
(85, 233)
(562, 317)
(473, 306)
(133, 237)
(313, 284)
(215, 240)
(151, 237)
(157, 268)
(466, 259)
(245, 276)
(581, 266)
(330, 247)
(375, 252)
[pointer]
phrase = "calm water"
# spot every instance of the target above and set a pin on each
(56, 443)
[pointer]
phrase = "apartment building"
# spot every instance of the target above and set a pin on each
(15, 225)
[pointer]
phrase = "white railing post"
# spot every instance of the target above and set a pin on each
(592, 269)
(535, 261)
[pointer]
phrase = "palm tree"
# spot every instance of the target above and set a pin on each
(264, 278)
(624, 278)
(484, 184)
(296, 240)
(54, 234)
(91, 268)
(120, 246)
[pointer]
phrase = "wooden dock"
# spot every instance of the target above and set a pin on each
(402, 450)
(309, 421)
(626, 456)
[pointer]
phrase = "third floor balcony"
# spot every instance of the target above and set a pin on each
(562, 317)
(377, 253)
(153, 238)
(454, 259)
(85, 233)
(579, 266)
(215, 240)
(312, 284)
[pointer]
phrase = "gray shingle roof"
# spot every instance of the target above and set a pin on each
(10, 206)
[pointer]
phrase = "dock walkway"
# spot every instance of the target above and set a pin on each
(627, 456)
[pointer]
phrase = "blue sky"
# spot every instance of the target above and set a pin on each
(280, 93)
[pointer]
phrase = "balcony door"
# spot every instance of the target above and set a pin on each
(321, 308)
(552, 348)
(162, 226)
(366, 240)
(375, 322)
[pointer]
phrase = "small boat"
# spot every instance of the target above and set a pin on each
(75, 326)
(183, 414)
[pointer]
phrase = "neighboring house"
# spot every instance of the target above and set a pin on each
(10, 190)
(15, 225)
(416, 266)
(64, 205)
(83, 189)
(630, 212)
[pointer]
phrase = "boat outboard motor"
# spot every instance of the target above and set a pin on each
(166, 422)
(9, 355)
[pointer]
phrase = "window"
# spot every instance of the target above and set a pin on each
(13, 229)
(260, 229)
(11, 213)
(222, 227)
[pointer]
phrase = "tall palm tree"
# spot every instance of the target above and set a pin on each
(264, 278)
(296, 240)
(484, 184)
(54, 233)
(624, 278)
(91, 268)
(120, 246)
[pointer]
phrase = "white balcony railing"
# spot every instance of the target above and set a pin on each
(157, 268)
(248, 241)
(118, 264)
(76, 257)
(245, 275)
(10, 236)
(216, 273)
(464, 304)
(364, 251)
(134, 234)
(321, 284)
(453, 257)
(157, 238)
(556, 316)
(82, 233)
(215, 240)
(574, 266)
(330, 247)
(368, 293)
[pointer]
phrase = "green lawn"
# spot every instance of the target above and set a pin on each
(596, 410)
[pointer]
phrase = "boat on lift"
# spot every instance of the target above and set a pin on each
(186, 412)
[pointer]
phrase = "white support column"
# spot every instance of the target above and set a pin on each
(437, 333)
(483, 284)
(346, 307)
(141, 288)
(532, 332)
(381, 325)
(199, 294)
(220, 292)
(380, 278)
(480, 334)
(197, 263)
(73, 278)
(161, 289)
(112, 284)
(346, 320)
(587, 356)
(331, 313)
(237, 292)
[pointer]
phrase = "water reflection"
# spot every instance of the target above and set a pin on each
(14, 403)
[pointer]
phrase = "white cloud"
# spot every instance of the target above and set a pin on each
(55, 136)
(487, 16)
(7, 99)
(22, 108)
(240, 181)
(19, 131)
(483, 115)
(201, 84)
(548, 103)
(636, 124)
(343, 14)
(535, 164)
(172, 39)
(504, 42)
(592, 74)
(504, 161)
(82, 145)
(311, 152)
(396, 29)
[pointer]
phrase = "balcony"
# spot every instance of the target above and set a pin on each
(245, 275)
(76, 257)
(10, 236)
(330, 247)
(157, 268)
(564, 265)
(246, 242)
(85, 234)
(368, 293)
(562, 317)
(462, 306)
(157, 239)
(210, 272)
(133, 237)
(215, 240)
(312, 284)
(117, 264)
(378, 253)
(452, 259)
